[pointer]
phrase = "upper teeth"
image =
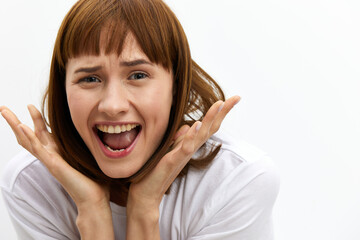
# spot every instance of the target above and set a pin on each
(116, 128)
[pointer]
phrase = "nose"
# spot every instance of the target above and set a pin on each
(114, 100)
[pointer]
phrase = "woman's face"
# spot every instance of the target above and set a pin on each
(120, 105)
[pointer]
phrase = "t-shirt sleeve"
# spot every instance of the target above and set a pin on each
(28, 222)
(37, 205)
(241, 207)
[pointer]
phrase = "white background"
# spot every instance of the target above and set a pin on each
(296, 66)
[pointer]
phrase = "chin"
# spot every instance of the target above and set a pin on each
(116, 173)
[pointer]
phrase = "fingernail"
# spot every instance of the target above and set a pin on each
(198, 126)
(221, 107)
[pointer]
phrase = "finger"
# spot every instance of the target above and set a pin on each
(184, 152)
(189, 146)
(179, 135)
(228, 105)
(214, 117)
(183, 129)
(204, 132)
(59, 168)
(14, 123)
(40, 128)
(55, 164)
(10, 118)
(3, 108)
(212, 112)
(176, 159)
(35, 146)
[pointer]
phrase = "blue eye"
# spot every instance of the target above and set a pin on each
(137, 76)
(90, 79)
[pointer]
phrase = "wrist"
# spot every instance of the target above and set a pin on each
(142, 224)
(147, 215)
(95, 222)
(141, 209)
(142, 221)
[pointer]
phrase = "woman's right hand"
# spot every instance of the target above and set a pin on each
(91, 198)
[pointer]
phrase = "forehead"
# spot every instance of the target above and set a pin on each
(131, 51)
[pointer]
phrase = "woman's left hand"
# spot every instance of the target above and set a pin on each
(145, 196)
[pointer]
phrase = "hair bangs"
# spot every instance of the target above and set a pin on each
(95, 28)
(92, 28)
(152, 24)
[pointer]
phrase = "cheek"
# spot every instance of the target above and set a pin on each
(159, 103)
(78, 111)
(156, 104)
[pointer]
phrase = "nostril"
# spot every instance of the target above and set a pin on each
(113, 108)
(114, 98)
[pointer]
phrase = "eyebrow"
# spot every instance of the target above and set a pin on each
(123, 63)
(88, 69)
(134, 63)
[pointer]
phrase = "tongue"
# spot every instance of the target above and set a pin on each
(119, 141)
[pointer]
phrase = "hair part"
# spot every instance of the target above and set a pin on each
(162, 39)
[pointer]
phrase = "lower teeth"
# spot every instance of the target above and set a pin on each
(120, 150)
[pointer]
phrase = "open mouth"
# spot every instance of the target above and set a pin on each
(117, 138)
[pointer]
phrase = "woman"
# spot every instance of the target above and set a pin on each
(129, 155)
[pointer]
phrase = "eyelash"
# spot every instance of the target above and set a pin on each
(144, 75)
(133, 76)
(86, 79)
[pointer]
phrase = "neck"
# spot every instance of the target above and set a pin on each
(119, 194)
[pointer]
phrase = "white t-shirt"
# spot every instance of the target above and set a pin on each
(231, 199)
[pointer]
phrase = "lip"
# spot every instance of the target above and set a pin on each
(123, 153)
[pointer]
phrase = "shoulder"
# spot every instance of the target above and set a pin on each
(248, 174)
(237, 164)
(238, 169)
(25, 169)
(35, 200)
(247, 161)
(13, 169)
(231, 199)
(25, 178)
